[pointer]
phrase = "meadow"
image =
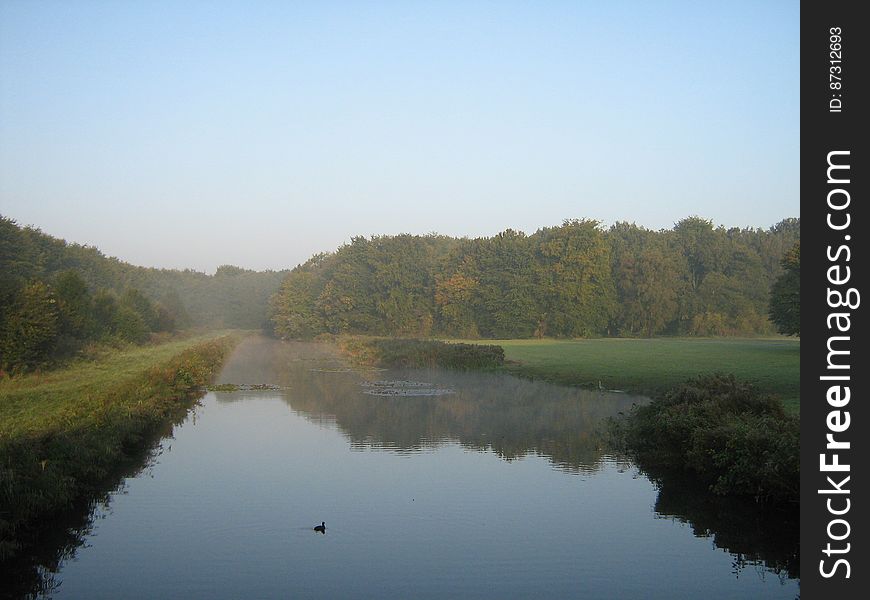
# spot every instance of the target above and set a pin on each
(652, 366)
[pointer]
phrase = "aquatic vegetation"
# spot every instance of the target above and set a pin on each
(357, 369)
(410, 353)
(222, 387)
(243, 387)
(404, 388)
(60, 438)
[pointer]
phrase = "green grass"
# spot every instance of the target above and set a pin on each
(39, 401)
(652, 366)
(63, 432)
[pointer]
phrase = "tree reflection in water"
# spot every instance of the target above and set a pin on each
(32, 573)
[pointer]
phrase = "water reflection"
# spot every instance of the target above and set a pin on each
(489, 413)
(513, 418)
(756, 537)
(483, 411)
(43, 549)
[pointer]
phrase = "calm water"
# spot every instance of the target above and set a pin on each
(432, 484)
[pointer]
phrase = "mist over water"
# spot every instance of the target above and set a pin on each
(497, 488)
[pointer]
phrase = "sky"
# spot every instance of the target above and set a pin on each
(194, 134)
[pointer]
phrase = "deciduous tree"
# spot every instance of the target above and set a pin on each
(785, 296)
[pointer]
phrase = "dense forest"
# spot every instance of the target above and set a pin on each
(56, 296)
(576, 279)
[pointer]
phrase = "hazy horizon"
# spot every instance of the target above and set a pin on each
(258, 134)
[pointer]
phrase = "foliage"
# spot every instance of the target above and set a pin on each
(129, 325)
(647, 271)
(735, 439)
(785, 297)
(232, 297)
(48, 322)
(294, 306)
(74, 305)
(573, 280)
(726, 277)
(136, 301)
(382, 285)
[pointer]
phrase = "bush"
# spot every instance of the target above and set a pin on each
(733, 438)
(129, 325)
(404, 353)
(31, 329)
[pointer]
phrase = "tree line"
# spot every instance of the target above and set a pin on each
(57, 296)
(575, 279)
(45, 321)
(572, 280)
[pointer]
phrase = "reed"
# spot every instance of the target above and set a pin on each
(413, 353)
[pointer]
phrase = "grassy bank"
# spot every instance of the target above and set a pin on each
(412, 353)
(62, 432)
(653, 366)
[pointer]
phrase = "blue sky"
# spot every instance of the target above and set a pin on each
(188, 134)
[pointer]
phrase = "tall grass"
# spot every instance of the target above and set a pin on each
(653, 366)
(410, 353)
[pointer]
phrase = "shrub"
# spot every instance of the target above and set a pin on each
(46, 470)
(130, 326)
(733, 438)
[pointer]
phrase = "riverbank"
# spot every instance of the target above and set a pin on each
(651, 367)
(419, 353)
(709, 417)
(63, 431)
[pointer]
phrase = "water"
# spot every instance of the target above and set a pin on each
(472, 486)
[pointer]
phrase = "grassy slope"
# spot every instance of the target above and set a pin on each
(38, 401)
(63, 432)
(653, 365)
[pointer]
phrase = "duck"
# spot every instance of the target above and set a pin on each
(321, 528)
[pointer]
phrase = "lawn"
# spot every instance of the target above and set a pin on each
(650, 366)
